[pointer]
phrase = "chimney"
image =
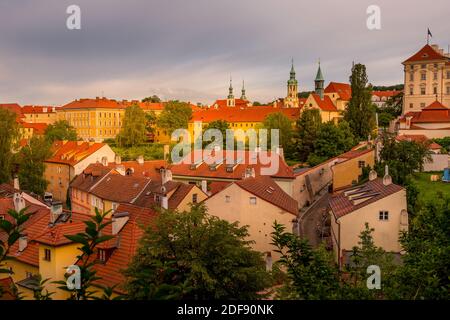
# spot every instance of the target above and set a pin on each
(204, 186)
(23, 242)
(249, 172)
(55, 211)
(117, 159)
(166, 176)
(165, 202)
(387, 179)
(166, 151)
(140, 159)
(119, 220)
(16, 182)
(105, 161)
(19, 201)
(372, 175)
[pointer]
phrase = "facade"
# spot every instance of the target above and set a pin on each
(379, 98)
(256, 202)
(339, 93)
(380, 203)
(432, 121)
(39, 114)
(427, 79)
(69, 159)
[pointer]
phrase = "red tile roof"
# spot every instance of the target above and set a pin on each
(38, 128)
(343, 89)
(427, 53)
(150, 169)
(419, 138)
(387, 94)
(222, 103)
(324, 104)
(434, 113)
(374, 190)
(121, 189)
(38, 109)
(239, 162)
(265, 188)
(72, 152)
(254, 114)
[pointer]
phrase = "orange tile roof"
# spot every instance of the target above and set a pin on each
(325, 104)
(241, 164)
(343, 89)
(434, 113)
(418, 138)
(265, 188)
(254, 114)
(222, 103)
(72, 152)
(387, 94)
(375, 190)
(148, 169)
(38, 128)
(427, 53)
(120, 189)
(38, 109)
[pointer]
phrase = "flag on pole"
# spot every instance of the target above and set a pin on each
(429, 34)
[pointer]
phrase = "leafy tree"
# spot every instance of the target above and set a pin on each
(394, 105)
(11, 231)
(332, 140)
(360, 112)
(444, 143)
(192, 255)
(40, 293)
(306, 133)
(221, 125)
(31, 165)
(9, 136)
(384, 119)
(60, 130)
(312, 273)
(425, 271)
(152, 99)
(133, 130)
(281, 122)
(175, 115)
(151, 119)
(402, 157)
(89, 241)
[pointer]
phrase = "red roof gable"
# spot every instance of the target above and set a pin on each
(427, 53)
(325, 104)
(343, 89)
(72, 152)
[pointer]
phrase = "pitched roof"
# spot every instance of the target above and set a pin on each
(90, 176)
(419, 138)
(324, 104)
(222, 103)
(435, 113)
(265, 188)
(427, 53)
(38, 128)
(253, 114)
(387, 94)
(72, 152)
(118, 188)
(38, 109)
(343, 89)
(355, 198)
(237, 165)
(148, 169)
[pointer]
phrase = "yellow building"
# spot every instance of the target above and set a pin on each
(39, 114)
(380, 203)
(339, 93)
(427, 79)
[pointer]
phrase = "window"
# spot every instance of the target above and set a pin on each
(435, 76)
(227, 199)
(448, 90)
(434, 90)
(194, 198)
(101, 255)
(361, 164)
(423, 66)
(423, 76)
(47, 255)
(253, 200)
(422, 105)
(384, 215)
(411, 76)
(448, 74)
(411, 91)
(422, 90)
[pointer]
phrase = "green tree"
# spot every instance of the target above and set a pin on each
(306, 133)
(152, 99)
(150, 124)
(88, 241)
(312, 273)
(193, 255)
(60, 130)
(384, 118)
(360, 112)
(402, 157)
(221, 125)
(332, 140)
(425, 270)
(31, 165)
(10, 231)
(281, 122)
(175, 115)
(134, 129)
(40, 293)
(9, 136)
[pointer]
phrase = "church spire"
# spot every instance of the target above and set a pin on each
(319, 82)
(230, 90)
(291, 100)
(243, 97)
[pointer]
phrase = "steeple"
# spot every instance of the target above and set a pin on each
(230, 99)
(319, 82)
(243, 97)
(291, 100)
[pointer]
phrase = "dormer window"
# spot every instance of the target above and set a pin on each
(102, 255)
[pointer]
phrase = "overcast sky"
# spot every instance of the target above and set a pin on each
(188, 49)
